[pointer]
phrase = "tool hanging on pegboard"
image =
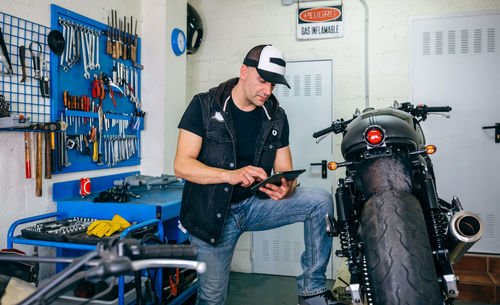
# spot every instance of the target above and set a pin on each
(6, 66)
(4, 107)
(96, 81)
(122, 40)
(497, 131)
(25, 81)
(82, 43)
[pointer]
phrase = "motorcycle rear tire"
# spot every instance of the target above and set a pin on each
(397, 249)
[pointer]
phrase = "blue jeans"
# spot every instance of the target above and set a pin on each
(308, 205)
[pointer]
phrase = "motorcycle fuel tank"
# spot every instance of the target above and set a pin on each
(398, 126)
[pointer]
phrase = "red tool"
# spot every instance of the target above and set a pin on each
(85, 106)
(38, 184)
(130, 88)
(111, 94)
(95, 86)
(102, 93)
(27, 154)
(174, 284)
(107, 81)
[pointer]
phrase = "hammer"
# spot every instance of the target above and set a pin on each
(38, 189)
(48, 149)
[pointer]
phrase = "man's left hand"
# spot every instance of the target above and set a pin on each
(276, 192)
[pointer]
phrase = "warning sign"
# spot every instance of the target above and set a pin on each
(319, 22)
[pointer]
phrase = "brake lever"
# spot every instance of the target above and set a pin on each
(440, 114)
(322, 137)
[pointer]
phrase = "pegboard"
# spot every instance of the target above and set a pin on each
(25, 97)
(119, 139)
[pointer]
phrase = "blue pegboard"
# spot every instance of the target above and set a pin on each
(120, 118)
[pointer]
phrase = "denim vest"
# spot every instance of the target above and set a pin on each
(205, 207)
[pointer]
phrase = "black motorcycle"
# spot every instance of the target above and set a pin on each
(399, 238)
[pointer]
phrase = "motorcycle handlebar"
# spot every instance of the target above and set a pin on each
(168, 251)
(439, 109)
(322, 132)
(118, 258)
(336, 127)
(420, 111)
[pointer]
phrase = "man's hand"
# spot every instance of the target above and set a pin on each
(279, 192)
(245, 176)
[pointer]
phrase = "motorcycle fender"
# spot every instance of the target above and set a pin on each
(398, 131)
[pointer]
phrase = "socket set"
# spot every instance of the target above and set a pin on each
(58, 230)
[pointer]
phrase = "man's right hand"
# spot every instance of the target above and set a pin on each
(188, 167)
(245, 176)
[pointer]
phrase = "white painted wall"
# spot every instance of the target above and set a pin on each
(176, 83)
(163, 100)
(231, 28)
(163, 83)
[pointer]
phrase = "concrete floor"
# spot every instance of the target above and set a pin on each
(252, 289)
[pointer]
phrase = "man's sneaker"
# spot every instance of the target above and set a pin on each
(325, 298)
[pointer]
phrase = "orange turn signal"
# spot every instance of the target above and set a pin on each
(332, 166)
(430, 149)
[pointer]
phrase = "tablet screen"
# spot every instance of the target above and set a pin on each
(276, 178)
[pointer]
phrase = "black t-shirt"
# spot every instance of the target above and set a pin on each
(247, 125)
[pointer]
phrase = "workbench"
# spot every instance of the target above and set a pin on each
(160, 206)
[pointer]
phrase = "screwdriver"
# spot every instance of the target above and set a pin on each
(65, 98)
(109, 48)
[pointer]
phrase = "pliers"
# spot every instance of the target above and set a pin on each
(110, 85)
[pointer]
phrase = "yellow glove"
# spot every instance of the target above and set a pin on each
(107, 227)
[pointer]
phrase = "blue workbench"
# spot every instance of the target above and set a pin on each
(159, 206)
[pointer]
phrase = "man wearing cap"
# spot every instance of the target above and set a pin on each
(231, 137)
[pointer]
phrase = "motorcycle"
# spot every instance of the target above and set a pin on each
(110, 260)
(400, 240)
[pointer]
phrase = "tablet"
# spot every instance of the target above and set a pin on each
(276, 178)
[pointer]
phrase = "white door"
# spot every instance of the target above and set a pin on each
(309, 107)
(455, 61)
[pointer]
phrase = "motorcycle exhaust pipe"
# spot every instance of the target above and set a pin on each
(464, 230)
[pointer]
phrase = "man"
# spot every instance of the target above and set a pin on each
(230, 138)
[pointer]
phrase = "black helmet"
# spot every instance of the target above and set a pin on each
(194, 30)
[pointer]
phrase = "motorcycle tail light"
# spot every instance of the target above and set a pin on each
(430, 149)
(332, 166)
(374, 136)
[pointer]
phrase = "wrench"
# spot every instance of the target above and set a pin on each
(136, 90)
(86, 74)
(78, 43)
(67, 49)
(90, 65)
(73, 44)
(69, 54)
(126, 90)
(62, 55)
(92, 47)
(97, 65)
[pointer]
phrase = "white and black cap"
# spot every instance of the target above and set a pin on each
(269, 62)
